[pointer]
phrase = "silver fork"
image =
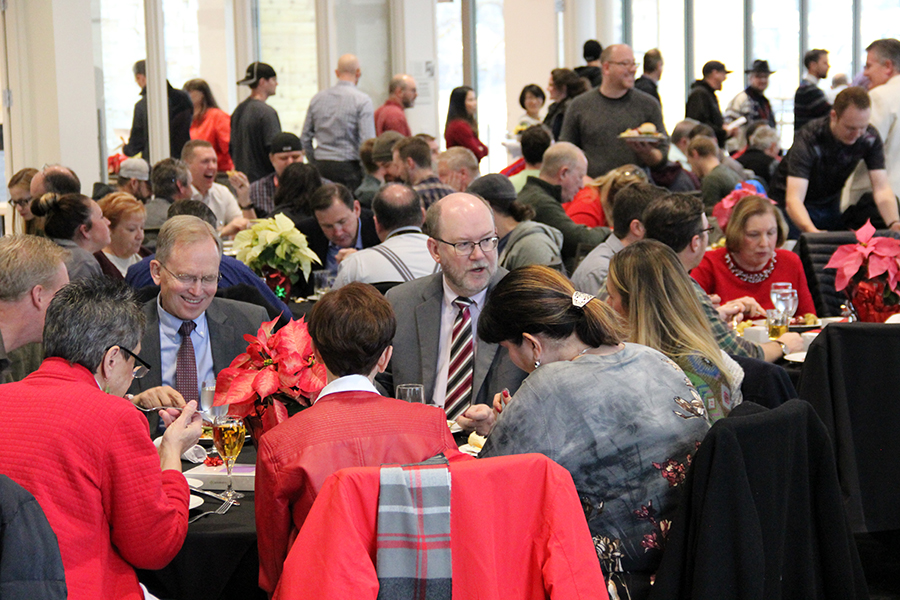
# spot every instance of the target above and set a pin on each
(159, 408)
(219, 511)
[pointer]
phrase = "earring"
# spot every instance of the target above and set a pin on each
(537, 363)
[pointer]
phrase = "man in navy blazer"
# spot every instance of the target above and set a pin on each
(186, 269)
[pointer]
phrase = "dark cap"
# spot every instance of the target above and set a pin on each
(383, 150)
(497, 189)
(761, 67)
(592, 50)
(285, 142)
(257, 71)
(714, 65)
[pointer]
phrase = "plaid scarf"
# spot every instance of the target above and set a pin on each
(413, 541)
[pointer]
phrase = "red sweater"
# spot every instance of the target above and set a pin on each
(459, 133)
(390, 117)
(344, 429)
(88, 459)
(713, 276)
(585, 208)
(215, 128)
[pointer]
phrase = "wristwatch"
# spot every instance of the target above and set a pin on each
(784, 348)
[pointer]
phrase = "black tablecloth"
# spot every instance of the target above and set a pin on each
(219, 558)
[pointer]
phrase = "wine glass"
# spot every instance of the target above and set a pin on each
(776, 289)
(411, 392)
(207, 396)
(228, 435)
(793, 303)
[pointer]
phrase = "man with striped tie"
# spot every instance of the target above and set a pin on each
(436, 342)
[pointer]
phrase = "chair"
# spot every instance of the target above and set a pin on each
(851, 378)
(518, 532)
(761, 515)
(30, 564)
(764, 383)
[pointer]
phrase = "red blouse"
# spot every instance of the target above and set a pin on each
(585, 208)
(459, 133)
(215, 128)
(714, 276)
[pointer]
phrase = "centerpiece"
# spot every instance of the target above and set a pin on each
(277, 370)
(277, 251)
(868, 272)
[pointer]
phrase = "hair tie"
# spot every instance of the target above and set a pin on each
(579, 299)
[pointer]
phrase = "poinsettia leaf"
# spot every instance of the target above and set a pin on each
(266, 382)
(893, 273)
(885, 246)
(312, 380)
(234, 386)
(241, 410)
(293, 338)
(847, 270)
(843, 254)
(865, 233)
(879, 265)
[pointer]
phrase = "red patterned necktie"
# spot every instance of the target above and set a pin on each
(186, 366)
(462, 355)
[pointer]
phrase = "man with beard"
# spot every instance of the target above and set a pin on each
(751, 103)
(390, 116)
(436, 342)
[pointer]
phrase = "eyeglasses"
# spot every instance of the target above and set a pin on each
(20, 202)
(628, 64)
(706, 231)
(141, 367)
(488, 244)
(190, 280)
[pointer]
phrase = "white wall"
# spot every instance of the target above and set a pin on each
(530, 50)
(413, 21)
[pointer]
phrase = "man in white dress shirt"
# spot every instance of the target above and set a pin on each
(233, 214)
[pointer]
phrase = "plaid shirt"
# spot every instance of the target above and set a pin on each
(727, 338)
(431, 190)
(262, 195)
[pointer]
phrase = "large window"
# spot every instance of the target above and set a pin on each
(491, 69)
(448, 16)
(879, 19)
(776, 40)
(831, 28)
(717, 36)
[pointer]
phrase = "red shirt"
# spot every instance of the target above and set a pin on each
(714, 276)
(215, 128)
(390, 117)
(87, 458)
(459, 133)
(585, 208)
(343, 429)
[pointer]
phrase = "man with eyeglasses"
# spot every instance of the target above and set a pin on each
(702, 103)
(436, 342)
(190, 335)
(595, 119)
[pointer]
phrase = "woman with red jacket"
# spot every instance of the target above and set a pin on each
(462, 128)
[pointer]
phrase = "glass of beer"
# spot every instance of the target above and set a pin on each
(777, 323)
(228, 435)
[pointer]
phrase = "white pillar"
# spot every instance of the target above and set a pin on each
(157, 95)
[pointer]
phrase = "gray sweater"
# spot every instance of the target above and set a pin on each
(532, 243)
(593, 122)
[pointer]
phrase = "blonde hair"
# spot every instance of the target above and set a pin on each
(660, 303)
(186, 229)
(27, 261)
(22, 179)
(609, 184)
(118, 205)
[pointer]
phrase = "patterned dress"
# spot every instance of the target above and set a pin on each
(625, 426)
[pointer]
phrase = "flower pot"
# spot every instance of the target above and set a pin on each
(868, 298)
(278, 282)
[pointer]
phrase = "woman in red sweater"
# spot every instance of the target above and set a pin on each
(462, 128)
(210, 122)
(751, 260)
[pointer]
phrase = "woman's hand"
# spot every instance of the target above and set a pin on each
(182, 431)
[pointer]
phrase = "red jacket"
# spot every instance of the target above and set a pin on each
(87, 458)
(390, 117)
(518, 532)
(459, 133)
(215, 128)
(345, 429)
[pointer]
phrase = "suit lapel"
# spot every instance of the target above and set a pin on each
(150, 350)
(220, 330)
(428, 328)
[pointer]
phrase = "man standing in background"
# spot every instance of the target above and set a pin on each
(809, 101)
(653, 68)
(254, 123)
(390, 116)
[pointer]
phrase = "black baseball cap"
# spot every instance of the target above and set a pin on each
(285, 142)
(714, 65)
(257, 71)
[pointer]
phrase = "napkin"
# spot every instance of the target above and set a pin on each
(195, 454)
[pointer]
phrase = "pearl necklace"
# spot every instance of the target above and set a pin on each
(749, 277)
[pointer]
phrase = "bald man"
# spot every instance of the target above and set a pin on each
(340, 119)
(401, 95)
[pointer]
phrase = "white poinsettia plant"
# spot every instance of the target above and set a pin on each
(275, 243)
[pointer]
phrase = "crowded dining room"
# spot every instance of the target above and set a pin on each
(449, 299)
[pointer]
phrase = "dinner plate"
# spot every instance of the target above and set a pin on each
(195, 501)
(195, 483)
(642, 138)
(797, 357)
(469, 449)
(454, 427)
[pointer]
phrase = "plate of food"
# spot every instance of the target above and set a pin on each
(454, 427)
(646, 132)
(476, 442)
(803, 323)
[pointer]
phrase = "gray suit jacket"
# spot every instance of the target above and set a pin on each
(417, 305)
(228, 321)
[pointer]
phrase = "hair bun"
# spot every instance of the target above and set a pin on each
(42, 206)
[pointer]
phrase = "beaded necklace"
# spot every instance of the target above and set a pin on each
(749, 277)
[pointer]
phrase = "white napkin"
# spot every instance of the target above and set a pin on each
(195, 454)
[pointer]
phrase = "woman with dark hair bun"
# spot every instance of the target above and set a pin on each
(620, 417)
(462, 127)
(564, 85)
(76, 223)
(297, 184)
(210, 122)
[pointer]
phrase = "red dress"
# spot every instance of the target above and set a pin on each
(585, 208)
(714, 277)
(87, 458)
(344, 429)
(215, 128)
(459, 133)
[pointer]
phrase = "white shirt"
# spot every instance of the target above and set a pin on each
(348, 383)
(408, 244)
(448, 315)
(221, 201)
(122, 264)
(170, 342)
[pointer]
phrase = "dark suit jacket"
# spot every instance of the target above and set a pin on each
(228, 321)
(418, 307)
(318, 243)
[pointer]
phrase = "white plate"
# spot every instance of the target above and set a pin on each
(454, 426)
(797, 357)
(653, 139)
(196, 483)
(195, 502)
(827, 320)
(469, 449)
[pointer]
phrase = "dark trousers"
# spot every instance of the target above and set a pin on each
(347, 172)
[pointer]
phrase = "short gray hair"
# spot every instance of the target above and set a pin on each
(89, 316)
(27, 261)
(559, 155)
(887, 49)
(763, 137)
(683, 130)
(457, 158)
(165, 174)
(185, 229)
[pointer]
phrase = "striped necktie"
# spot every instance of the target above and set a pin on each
(462, 360)
(186, 364)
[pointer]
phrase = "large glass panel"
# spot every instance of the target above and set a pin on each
(775, 40)
(717, 36)
(491, 57)
(645, 18)
(287, 41)
(448, 16)
(671, 44)
(831, 28)
(363, 29)
(879, 20)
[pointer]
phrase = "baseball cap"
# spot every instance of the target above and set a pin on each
(496, 188)
(383, 150)
(135, 168)
(714, 65)
(257, 71)
(285, 142)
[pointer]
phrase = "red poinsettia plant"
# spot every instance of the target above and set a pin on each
(723, 209)
(869, 271)
(277, 368)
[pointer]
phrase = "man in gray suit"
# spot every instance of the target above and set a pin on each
(436, 342)
(190, 335)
